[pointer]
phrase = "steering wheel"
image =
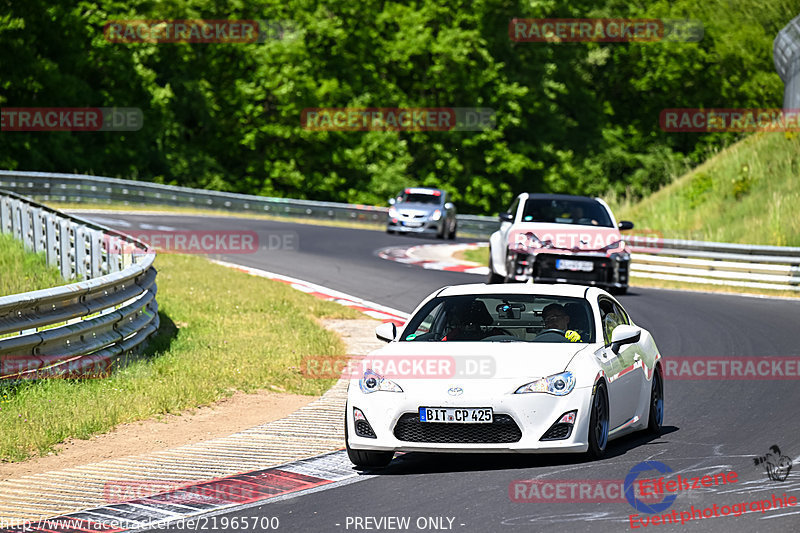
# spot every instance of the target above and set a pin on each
(553, 330)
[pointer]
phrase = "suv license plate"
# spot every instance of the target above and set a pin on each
(569, 264)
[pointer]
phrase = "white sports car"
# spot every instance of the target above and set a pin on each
(524, 368)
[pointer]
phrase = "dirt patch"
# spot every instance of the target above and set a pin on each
(236, 413)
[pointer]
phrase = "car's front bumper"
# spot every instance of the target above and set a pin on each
(424, 226)
(608, 271)
(534, 414)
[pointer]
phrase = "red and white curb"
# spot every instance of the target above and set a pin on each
(381, 312)
(436, 257)
(193, 501)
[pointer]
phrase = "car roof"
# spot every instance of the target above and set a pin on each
(545, 289)
(422, 190)
(542, 196)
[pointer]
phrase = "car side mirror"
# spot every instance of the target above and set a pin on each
(392, 201)
(449, 205)
(625, 225)
(624, 334)
(386, 331)
(506, 217)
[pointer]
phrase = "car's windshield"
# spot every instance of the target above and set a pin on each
(419, 198)
(503, 317)
(570, 211)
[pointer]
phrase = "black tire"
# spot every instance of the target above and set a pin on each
(619, 291)
(452, 235)
(365, 458)
(389, 231)
(493, 278)
(656, 418)
(598, 423)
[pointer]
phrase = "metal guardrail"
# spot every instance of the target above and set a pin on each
(717, 263)
(47, 186)
(84, 328)
(669, 259)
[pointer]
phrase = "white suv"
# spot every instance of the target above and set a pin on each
(560, 238)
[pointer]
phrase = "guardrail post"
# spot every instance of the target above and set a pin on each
(96, 252)
(64, 248)
(80, 253)
(16, 219)
(51, 242)
(25, 227)
(39, 241)
(5, 215)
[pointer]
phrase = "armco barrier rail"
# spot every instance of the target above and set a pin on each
(717, 263)
(85, 328)
(82, 189)
(740, 265)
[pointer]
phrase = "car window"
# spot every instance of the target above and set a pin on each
(585, 212)
(420, 198)
(501, 317)
(611, 316)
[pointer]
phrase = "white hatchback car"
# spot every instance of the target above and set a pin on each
(505, 368)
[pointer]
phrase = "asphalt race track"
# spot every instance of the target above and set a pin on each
(710, 425)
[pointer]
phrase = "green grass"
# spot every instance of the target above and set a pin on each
(747, 193)
(21, 271)
(479, 255)
(223, 331)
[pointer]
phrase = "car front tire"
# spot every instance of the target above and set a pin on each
(598, 423)
(493, 278)
(452, 235)
(365, 458)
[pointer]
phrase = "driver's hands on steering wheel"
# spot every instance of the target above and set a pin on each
(572, 335)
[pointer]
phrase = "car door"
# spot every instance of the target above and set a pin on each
(623, 370)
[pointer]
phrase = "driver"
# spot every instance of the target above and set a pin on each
(556, 317)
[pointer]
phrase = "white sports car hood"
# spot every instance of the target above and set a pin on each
(471, 360)
(566, 236)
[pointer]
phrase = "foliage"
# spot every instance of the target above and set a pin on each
(571, 117)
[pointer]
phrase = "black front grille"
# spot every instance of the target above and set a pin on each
(363, 429)
(558, 432)
(502, 429)
(545, 267)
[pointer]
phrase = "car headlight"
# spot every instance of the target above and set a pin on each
(616, 245)
(436, 215)
(530, 242)
(557, 385)
(373, 382)
(392, 212)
